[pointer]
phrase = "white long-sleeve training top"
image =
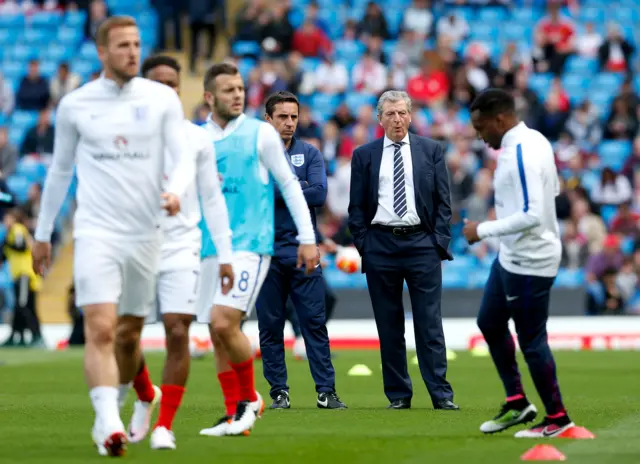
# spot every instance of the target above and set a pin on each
(526, 185)
(274, 160)
(204, 191)
(116, 136)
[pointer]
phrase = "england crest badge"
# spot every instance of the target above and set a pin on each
(297, 160)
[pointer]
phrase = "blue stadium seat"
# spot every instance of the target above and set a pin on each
(13, 70)
(46, 19)
(570, 278)
(70, 36)
(16, 135)
(296, 17)
(22, 52)
(48, 68)
(576, 87)
(513, 31)
(627, 245)
(468, 14)
(484, 32)
(34, 171)
(601, 100)
(310, 64)
(607, 213)
(526, 15)
(245, 48)
(75, 19)
(540, 84)
(348, 50)
(453, 279)
(19, 186)
(84, 67)
(36, 36)
(491, 15)
(24, 118)
(59, 52)
(88, 51)
(245, 65)
(592, 14)
(581, 65)
(613, 153)
(356, 100)
(325, 104)
(12, 21)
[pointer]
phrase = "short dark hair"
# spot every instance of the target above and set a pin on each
(159, 60)
(279, 97)
(492, 102)
(219, 69)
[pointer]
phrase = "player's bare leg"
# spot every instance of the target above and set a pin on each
(133, 371)
(226, 325)
(101, 371)
(174, 378)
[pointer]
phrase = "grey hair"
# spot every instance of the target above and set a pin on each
(393, 96)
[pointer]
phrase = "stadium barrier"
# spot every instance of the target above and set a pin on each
(565, 333)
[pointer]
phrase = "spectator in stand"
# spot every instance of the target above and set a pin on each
(461, 183)
(411, 46)
(453, 28)
(632, 164)
(247, 18)
(588, 43)
(626, 222)
(98, 13)
(554, 115)
(7, 198)
(330, 146)
(374, 47)
(204, 17)
(614, 189)
(200, 114)
(369, 76)
(622, 123)
(615, 53)
(609, 257)
(477, 204)
(307, 129)
(558, 38)
(627, 280)
(39, 139)
(373, 23)
(604, 298)
(418, 19)
(8, 154)
(528, 106)
(7, 97)
(310, 41)
(430, 87)
(575, 250)
(277, 34)
(33, 93)
(331, 76)
(589, 225)
(312, 13)
(584, 126)
(63, 82)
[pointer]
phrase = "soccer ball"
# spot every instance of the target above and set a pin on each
(348, 260)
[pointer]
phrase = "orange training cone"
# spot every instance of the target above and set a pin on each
(543, 453)
(577, 433)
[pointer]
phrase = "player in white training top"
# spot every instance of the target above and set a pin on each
(115, 129)
(179, 277)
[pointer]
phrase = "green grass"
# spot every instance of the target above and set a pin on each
(46, 416)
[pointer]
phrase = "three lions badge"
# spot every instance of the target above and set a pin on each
(297, 160)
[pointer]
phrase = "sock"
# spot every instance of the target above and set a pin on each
(230, 390)
(123, 391)
(105, 404)
(142, 384)
(244, 370)
(169, 404)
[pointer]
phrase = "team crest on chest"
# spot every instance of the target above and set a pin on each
(297, 160)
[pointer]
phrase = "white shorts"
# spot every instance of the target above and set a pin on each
(116, 271)
(178, 283)
(250, 270)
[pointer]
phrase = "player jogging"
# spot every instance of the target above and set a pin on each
(179, 277)
(117, 130)
(525, 184)
(250, 155)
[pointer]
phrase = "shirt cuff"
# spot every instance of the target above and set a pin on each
(483, 230)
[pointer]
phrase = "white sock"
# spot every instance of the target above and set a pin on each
(123, 391)
(105, 404)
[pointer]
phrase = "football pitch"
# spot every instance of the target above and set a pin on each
(46, 416)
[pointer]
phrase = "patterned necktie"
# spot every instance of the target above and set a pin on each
(399, 190)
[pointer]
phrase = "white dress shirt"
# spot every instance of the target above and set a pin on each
(526, 185)
(117, 136)
(275, 162)
(385, 215)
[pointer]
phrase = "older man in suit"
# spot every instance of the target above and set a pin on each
(399, 216)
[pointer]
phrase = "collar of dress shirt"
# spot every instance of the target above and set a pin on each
(388, 142)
